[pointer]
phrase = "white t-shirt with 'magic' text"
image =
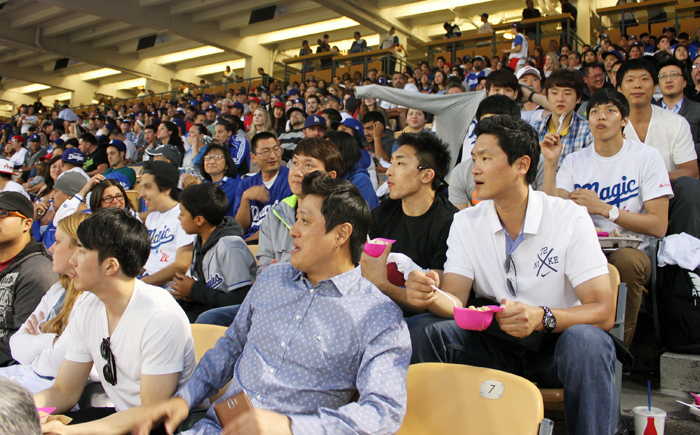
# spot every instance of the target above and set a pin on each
(167, 236)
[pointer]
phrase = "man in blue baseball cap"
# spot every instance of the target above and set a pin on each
(293, 94)
(116, 155)
(315, 126)
(35, 151)
(72, 160)
(349, 124)
(300, 103)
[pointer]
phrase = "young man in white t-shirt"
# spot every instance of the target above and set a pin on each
(136, 335)
(622, 183)
(670, 134)
(171, 247)
(540, 259)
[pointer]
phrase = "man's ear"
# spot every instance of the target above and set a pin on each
(332, 174)
(427, 176)
(343, 233)
(523, 164)
(111, 266)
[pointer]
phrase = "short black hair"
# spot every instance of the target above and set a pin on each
(131, 248)
(207, 200)
(516, 138)
(675, 62)
(502, 79)
(609, 96)
(89, 138)
(161, 182)
(263, 135)
(592, 65)
(152, 127)
(342, 203)
(230, 165)
(323, 150)
(374, 116)
(454, 84)
(315, 97)
(635, 65)
(333, 115)
(431, 153)
(565, 78)
(497, 105)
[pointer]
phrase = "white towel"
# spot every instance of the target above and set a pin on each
(681, 249)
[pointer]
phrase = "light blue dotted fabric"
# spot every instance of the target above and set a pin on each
(303, 351)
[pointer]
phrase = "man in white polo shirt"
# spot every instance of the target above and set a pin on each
(537, 256)
(622, 183)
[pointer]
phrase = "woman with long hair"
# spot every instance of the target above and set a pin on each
(279, 118)
(193, 156)
(103, 193)
(439, 81)
(217, 166)
(681, 53)
(168, 134)
(40, 343)
(371, 105)
(551, 63)
(538, 56)
(354, 170)
(261, 122)
(636, 51)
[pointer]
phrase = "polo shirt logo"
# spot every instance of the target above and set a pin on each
(547, 261)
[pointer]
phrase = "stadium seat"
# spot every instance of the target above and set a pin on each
(205, 337)
(454, 399)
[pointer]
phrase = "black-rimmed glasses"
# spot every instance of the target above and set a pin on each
(511, 276)
(110, 369)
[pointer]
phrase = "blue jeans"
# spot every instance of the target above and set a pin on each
(582, 360)
(222, 316)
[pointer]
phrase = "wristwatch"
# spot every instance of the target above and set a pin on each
(548, 320)
(613, 214)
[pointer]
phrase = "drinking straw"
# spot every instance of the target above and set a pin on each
(649, 394)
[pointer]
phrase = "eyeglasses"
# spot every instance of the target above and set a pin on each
(110, 369)
(697, 65)
(511, 276)
(5, 213)
(213, 156)
(673, 76)
(266, 153)
(110, 199)
(597, 76)
(93, 119)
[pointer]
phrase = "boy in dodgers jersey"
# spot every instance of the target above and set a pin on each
(171, 247)
(622, 183)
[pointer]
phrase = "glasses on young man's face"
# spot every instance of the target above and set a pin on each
(5, 213)
(511, 276)
(266, 153)
(213, 157)
(110, 199)
(110, 369)
(673, 76)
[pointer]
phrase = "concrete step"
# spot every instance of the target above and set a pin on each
(680, 372)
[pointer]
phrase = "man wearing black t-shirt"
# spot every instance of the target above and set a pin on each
(416, 216)
(96, 161)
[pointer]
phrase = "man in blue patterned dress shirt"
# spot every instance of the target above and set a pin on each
(309, 335)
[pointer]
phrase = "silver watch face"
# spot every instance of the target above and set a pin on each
(550, 322)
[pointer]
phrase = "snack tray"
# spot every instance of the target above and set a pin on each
(619, 242)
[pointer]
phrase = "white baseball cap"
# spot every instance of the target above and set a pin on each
(6, 167)
(528, 70)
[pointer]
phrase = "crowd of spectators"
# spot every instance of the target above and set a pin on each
(541, 150)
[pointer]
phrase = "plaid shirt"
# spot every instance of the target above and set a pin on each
(578, 136)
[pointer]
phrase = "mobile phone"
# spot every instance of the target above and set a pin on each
(230, 408)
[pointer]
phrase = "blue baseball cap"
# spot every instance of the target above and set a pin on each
(35, 138)
(121, 178)
(300, 101)
(352, 123)
(73, 155)
(194, 103)
(238, 105)
(293, 92)
(180, 123)
(314, 120)
(382, 81)
(207, 98)
(58, 141)
(116, 143)
(6, 127)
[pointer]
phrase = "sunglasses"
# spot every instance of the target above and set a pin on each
(110, 369)
(511, 276)
(5, 213)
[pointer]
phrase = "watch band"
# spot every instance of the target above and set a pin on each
(548, 320)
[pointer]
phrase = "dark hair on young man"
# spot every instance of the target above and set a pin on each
(636, 65)
(502, 79)
(516, 138)
(314, 97)
(347, 146)
(431, 152)
(373, 117)
(161, 182)
(333, 115)
(263, 135)
(72, 142)
(152, 127)
(675, 62)
(589, 66)
(99, 189)
(609, 96)
(207, 200)
(132, 246)
(565, 78)
(342, 203)
(454, 84)
(89, 138)
(497, 105)
(229, 164)
(323, 150)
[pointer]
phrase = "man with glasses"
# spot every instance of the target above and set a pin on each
(25, 268)
(539, 258)
(594, 78)
(257, 194)
(136, 335)
(672, 82)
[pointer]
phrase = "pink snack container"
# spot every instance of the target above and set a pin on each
(376, 249)
(475, 320)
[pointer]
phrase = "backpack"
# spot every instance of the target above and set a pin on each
(678, 308)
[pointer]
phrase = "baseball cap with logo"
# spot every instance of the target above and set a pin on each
(18, 138)
(121, 178)
(73, 155)
(237, 105)
(35, 138)
(116, 143)
(314, 120)
(528, 70)
(58, 141)
(254, 100)
(168, 151)
(6, 167)
(352, 123)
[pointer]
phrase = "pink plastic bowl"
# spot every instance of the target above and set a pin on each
(475, 320)
(376, 249)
